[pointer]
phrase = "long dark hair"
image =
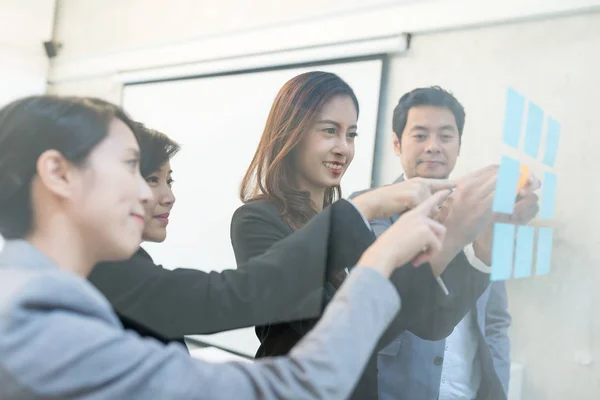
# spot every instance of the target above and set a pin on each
(32, 125)
(271, 173)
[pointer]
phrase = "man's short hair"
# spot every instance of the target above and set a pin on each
(431, 96)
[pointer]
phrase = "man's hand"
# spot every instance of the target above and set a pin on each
(415, 237)
(466, 213)
(526, 208)
(400, 197)
(527, 205)
(471, 205)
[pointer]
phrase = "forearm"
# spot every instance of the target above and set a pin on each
(322, 363)
(262, 292)
(465, 285)
(348, 237)
(420, 294)
(326, 364)
(450, 250)
(279, 279)
(428, 311)
(292, 277)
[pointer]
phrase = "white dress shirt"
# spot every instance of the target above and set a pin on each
(461, 371)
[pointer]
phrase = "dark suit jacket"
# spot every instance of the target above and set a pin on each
(267, 289)
(409, 367)
(425, 311)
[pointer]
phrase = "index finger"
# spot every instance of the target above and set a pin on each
(483, 172)
(435, 185)
(430, 206)
(533, 182)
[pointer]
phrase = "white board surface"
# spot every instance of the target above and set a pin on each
(219, 121)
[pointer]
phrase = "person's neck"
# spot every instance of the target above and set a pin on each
(64, 248)
(317, 196)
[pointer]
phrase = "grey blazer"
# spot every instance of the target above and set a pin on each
(61, 339)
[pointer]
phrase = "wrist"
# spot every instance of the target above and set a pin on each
(364, 206)
(377, 259)
(450, 249)
(483, 252)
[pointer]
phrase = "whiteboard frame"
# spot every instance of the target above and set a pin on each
(298, 57)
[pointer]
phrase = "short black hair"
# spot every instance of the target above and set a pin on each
(30, 126)
(156, 149)
(430, 96)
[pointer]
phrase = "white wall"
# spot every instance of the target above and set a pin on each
(26, 24)
(556, 319)
(460, 45)
(104, 37)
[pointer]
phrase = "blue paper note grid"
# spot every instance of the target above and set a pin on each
(515, 246)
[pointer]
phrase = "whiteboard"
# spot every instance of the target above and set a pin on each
(218, 121)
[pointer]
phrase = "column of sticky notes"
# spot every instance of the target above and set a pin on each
(514, 245)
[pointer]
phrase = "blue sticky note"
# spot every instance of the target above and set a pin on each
(544, 251)
(533, 130)
(548, 196)
(502, 251)
(524, 251)
(506, 185)
(513, 118)
(552, 136)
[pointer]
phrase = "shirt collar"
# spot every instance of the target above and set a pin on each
(400, 179)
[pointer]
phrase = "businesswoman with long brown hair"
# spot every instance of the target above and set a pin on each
(306, 147)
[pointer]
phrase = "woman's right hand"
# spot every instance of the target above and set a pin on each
(415, 237)
(399, 197)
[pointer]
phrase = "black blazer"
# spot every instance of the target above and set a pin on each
(167, 305)
(426, 311)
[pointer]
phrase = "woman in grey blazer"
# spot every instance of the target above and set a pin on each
(71, 195)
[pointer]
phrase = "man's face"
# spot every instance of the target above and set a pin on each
(430, 143)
